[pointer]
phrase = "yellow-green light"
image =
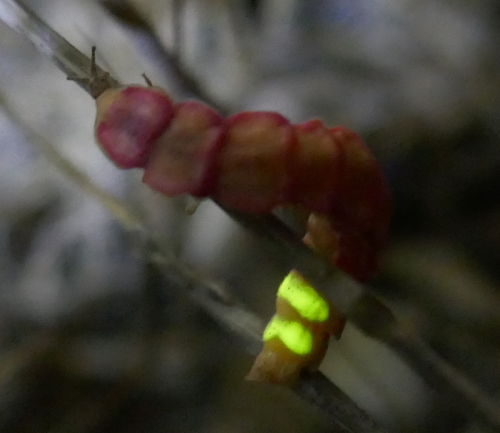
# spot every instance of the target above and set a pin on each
(293, 335)
(304, 298)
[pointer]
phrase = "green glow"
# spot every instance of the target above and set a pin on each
(292, 334)
(305, 299)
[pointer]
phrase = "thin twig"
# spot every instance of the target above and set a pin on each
(317, 386)
(362, 308)
(47, 42)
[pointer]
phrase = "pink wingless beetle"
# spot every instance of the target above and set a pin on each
(254, 161)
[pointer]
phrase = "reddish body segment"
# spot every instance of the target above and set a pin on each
(254, 162)
(183, 160)
(129, 120)
(316, 168)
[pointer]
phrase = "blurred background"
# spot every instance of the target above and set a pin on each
(94, 340)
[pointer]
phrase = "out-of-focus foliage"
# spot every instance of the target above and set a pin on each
(93, 340)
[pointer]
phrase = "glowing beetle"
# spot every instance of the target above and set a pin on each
(298, 334)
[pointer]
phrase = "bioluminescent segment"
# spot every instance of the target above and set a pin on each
(304, 298)
(293, 335)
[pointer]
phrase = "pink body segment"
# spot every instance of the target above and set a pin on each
(254, 163)
(183, 160)
(315, 167)
(129, 120)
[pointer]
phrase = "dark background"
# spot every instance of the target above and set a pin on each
(93, 340)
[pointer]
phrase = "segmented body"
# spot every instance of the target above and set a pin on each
(297, 336)
(254, 162)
